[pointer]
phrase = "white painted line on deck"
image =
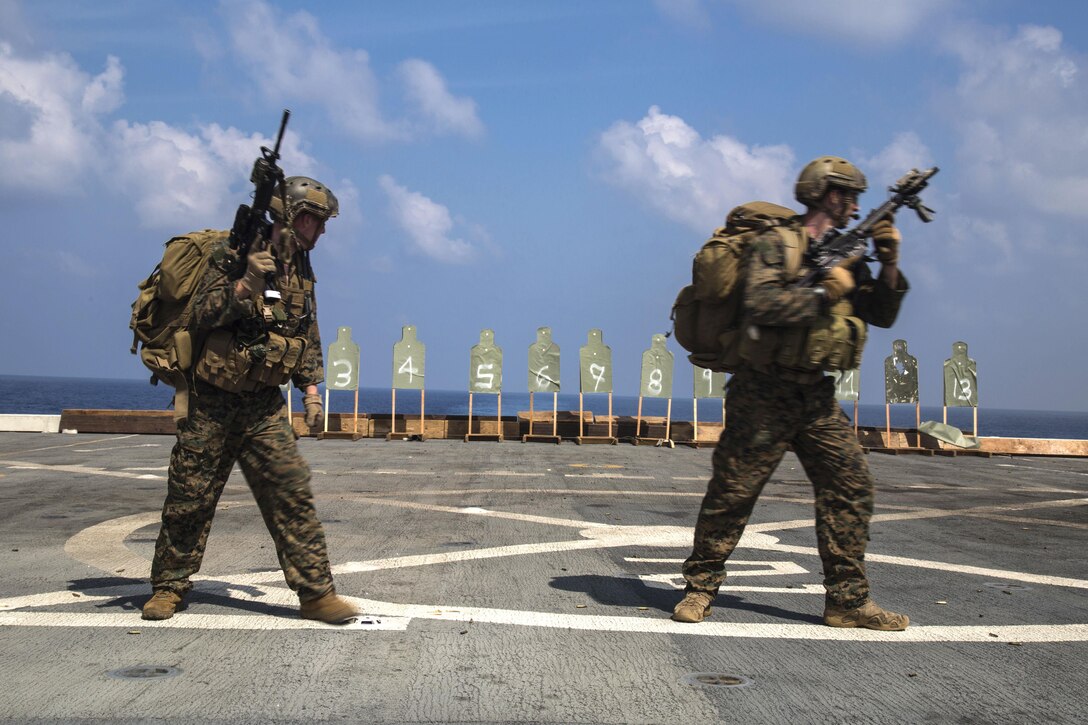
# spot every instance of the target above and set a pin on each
(770, 568)
(1042, 468)
(117, 448)
(929, 513)
(477, 511)
(550, 491)
(1031, 521)
(608, 475)
(103, 547)
(657, 624)
(998, 574)
(513, 474)
(189, 620)
(449, 557)
(404, 473)
(1044, 490)
(69, 445)
(87, 470)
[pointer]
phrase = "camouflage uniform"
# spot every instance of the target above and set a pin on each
(770, 408)
(251, 428)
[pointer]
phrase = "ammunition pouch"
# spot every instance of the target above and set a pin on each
(835, 342)
(235, 368)
(282, 357)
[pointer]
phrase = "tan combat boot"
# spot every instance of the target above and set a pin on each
(328, 608)
(694, 607)
(867, 616)
(162, 604)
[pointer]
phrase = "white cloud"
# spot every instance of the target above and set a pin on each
(1021, 108)
(426, 88)
(693, 180)
(965, 232)
(428, 224)
(61, 103)
(865, 22)
(905, 152)
(291, 59)
(188, 180)
(105, 93)
(341, 241)
(171, 177)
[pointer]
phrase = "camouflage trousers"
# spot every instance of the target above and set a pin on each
(765, 415)
(252, 429)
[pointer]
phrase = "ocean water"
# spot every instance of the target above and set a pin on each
(50, 395)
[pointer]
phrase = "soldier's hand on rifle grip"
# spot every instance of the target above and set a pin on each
(886, 240)
(258, 264)
(839, 280)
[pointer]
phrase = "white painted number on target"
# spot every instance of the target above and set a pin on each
(542, 380)
(654, 384)
(597, 371)
(343, 377)
(406, 367)
(485, 380)
(963, 388)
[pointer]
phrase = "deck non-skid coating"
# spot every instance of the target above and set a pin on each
(498, 561)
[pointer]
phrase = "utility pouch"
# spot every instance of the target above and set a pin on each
(835, 343)
(182, 354)
(759, 345)
(284, 355)
(224, 363)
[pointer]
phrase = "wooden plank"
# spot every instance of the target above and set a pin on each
(149, 422)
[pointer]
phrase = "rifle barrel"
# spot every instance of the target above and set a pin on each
(279, 136)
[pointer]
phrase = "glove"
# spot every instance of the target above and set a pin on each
(886, 239)
(258, 264)
(839, 281)
(315, 414)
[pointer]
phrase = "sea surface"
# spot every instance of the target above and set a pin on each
(51, 395)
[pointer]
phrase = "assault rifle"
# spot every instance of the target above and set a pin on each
(854, 242)
(252, 227)
(251, 224)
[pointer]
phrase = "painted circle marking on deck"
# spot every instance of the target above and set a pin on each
(103, 546)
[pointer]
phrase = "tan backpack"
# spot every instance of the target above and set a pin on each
(708, 313)
(161, 312)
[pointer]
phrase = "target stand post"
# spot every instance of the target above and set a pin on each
(532, 437)
(582, 437)
(349, 435)
(394, 434)
(497, 437)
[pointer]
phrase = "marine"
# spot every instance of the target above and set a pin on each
(258, 330)
(780, 397)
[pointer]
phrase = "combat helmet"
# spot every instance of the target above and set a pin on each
(824, 172)
(304, 194)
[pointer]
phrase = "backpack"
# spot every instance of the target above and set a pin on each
(708, 313)
(161, 312)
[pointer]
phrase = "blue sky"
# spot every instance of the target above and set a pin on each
(512, 165)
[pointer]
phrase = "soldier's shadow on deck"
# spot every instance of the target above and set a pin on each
(206, 592)
(633, 592)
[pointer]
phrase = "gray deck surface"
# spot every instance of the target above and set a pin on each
(520, 582)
